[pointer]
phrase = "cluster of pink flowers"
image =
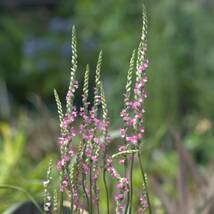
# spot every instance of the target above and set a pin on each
(83, 146)
(111, 170)
(123, 188)
(132, 114)
(132, 132)
(68, 119)
(71, 91)
(64, 141)
(143, 205)
(90, 131)
(64, 184)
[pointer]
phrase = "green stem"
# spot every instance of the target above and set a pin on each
(61, 202)
(131, 183)
(90, 190)
(125, 174)
(28, 195)
(106, 190)
(71, 190)
(84, 189)
(145, 183)
(125, 152)
(71, 202)
(97, 198)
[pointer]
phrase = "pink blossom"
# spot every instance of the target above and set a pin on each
(62, 140)
(65, 183)
(122, 161)
(142, 129)
(132, 139)
(119, 197)
(97, 140)
(143, 202)
(94, 158)
(122, 148)
(71, 152)
(144, 66)
(125, 180)
(73, 132)
(131, 121)
(85, 168)
(88, 153)
(122, 207)
(122, 133)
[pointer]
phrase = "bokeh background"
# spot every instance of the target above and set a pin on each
(35, 54)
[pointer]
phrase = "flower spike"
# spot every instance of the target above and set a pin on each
(72, 84)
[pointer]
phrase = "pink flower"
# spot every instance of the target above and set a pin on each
(71, 152)
(134, 104)
(122, 133)
(122, 161)
(85, 168)
(119, 197)
(143, 202)
(122, 148)
(61, 140)
(125, 180)
(145, 79)
(94, 158)
(73, 132)
(58, 165)
(62, 188)
(144, 66)
(88, 153)
(122, 207)
(97, 140)
(131, 121)
(132, 139)
(65, 183)
(142, 129)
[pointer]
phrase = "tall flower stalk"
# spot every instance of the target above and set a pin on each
(84, 157)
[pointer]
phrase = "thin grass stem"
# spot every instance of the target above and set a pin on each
(131, 183)
(106, 190)
(145, 183)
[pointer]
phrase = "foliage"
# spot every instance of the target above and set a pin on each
(13, 164)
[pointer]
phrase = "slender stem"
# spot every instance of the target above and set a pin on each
(131, 183)
(61, 210)
(125, 174)
(25, 192)
(90, 190)
(71, 202)
(61, 202)
(85, 177)
(106, 190)
(98, 209)
(84, 189)
(145, 183)
(71, 190)
(125, 165)
(97, 198)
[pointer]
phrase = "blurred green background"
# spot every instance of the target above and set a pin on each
(35, 56)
